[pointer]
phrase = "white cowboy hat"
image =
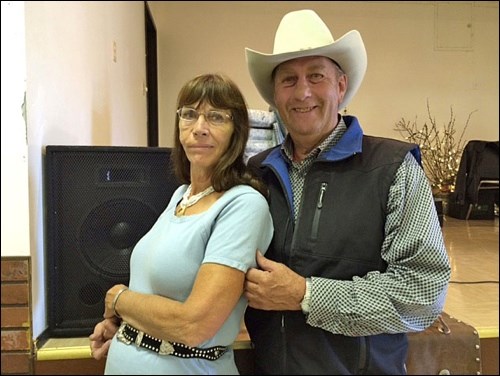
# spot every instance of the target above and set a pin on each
(303, 33)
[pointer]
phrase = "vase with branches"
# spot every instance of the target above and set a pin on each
(441, 148)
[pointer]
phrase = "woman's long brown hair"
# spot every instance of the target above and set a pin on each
(220, 92)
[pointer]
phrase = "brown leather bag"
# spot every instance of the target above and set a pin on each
(447, 347)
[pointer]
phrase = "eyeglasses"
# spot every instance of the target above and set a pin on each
(214, 117)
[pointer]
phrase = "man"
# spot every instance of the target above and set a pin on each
(358, 259)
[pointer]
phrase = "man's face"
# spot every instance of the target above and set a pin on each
(307, 93)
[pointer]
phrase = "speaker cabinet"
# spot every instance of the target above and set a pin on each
(99, 202)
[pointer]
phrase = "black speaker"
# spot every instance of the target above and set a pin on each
(99, 202)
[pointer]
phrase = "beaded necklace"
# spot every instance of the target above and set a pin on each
(190, 201)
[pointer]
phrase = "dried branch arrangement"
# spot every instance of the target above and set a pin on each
(441, 152)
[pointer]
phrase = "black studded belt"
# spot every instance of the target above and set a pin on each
(128, 334)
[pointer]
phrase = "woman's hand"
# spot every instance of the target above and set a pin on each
(100, 339)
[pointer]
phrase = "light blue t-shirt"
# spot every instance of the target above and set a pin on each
(167, 259)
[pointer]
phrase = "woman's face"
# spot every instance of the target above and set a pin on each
(204, 133)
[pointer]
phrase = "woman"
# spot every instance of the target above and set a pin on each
(184, 306)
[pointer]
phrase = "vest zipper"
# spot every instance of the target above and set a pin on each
(363, 354)
(284, 345)
(317, 212)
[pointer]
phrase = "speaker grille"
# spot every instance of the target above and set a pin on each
(109, 233)
(100, 201)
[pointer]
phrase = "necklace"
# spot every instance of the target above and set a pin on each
(190, 201)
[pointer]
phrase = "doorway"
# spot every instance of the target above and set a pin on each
(151, 77)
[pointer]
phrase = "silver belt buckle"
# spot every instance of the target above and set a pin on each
(120, 336)
(138, 339)
(166, 348)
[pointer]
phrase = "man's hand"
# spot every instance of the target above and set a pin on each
(100, 339)
(274, 287)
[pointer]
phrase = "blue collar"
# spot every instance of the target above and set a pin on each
(348, 145)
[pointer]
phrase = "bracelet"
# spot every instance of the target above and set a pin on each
(116, 300)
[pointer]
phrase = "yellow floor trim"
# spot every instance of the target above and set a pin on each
(488, 332)
(64, 348)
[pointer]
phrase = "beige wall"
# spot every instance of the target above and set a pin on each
(444, 52)
(85, 73)
(14, 150)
